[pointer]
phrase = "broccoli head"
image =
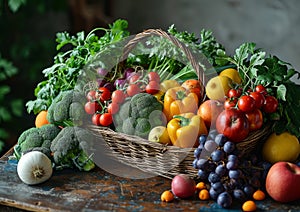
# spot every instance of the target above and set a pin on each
(69, 148)
(138, 115)
(36, 139)
(67, 109)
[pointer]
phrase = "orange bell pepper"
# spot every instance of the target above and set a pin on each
(185, 129)
(179, 100)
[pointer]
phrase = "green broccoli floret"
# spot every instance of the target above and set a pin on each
(36, 139)
(138, 115)
(70, 146)
(67, 109)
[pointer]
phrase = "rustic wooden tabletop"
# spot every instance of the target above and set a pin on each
(98, 190)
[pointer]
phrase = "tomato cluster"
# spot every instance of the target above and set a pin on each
(150, 84)
(97, 106)
(103, 103)
(253, 103)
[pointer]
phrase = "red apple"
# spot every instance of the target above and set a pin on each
(283, 182)
(183, 186)
(234, 124)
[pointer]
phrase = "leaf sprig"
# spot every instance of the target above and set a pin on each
(256, 67)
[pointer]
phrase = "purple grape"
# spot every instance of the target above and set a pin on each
(202, 139)
(249, 190)
(210, 145)
(229, 147)
(202, 174)
(221, 170)
(217, 155)
(212, 134)
(197, 152)
(220, 139)
(213, 177)
(224, 199)
(234, 174)
(218, 187)
(232, 158)
(201, 163)
(231, 165)
(213, 193)
(239, 194)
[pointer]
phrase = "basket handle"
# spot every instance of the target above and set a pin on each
(158, 32)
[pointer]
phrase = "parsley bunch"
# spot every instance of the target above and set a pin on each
(73, 53)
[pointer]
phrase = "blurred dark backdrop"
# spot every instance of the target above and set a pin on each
(27, 36)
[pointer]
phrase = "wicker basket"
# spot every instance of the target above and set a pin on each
(156, 158)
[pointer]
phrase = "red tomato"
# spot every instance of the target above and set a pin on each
(261, 89)
(106, 119)
(92, 107)
(103, 94)
(230, 103)
(153, 87)
(133, 89)
(234, 93)
(246, 103)
(96, 119)
(113, 108)
(270, 105)
(255, 119)
(91, 95)
(118, 96)
(259, 99)
(153, 76)
(234, 124)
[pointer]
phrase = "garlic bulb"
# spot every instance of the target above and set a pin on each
(34, 168)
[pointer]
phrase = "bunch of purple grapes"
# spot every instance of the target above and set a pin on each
(229, 175)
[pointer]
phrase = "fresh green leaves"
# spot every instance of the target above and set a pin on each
(14, 5)
(74, 52)
(255, 67)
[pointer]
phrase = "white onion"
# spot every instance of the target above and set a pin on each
(34, 168)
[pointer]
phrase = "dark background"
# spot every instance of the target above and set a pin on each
(27, 36)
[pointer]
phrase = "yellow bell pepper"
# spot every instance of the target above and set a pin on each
(178, 100)
(185, 129)
(164, 86)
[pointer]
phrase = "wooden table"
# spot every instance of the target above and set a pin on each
(70, 190)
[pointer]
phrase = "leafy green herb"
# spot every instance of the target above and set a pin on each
(68, 64)
(255, 67)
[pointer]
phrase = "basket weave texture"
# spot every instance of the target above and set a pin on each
(155, 158)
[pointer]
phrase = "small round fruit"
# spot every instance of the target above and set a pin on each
(106, 119)
(183, 186)
(167, 196)
(159, 134)
(233, 74)
(209, 111)
(270, 105)
(282, 147)
(249, 205)
(217, 87)
(246, 103)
